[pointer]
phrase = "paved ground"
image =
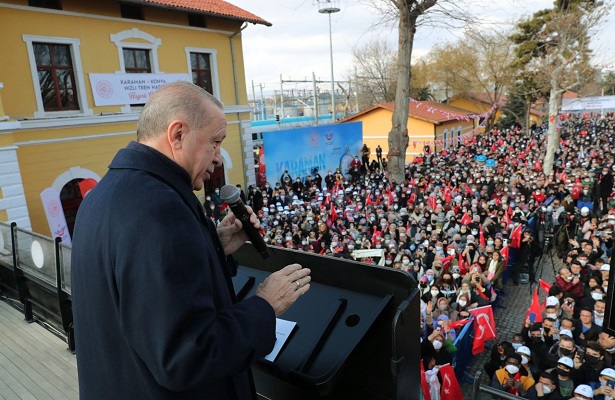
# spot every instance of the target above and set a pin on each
(510, 318)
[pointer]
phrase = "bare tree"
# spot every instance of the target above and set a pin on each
(553, 46)
(375, 71)
(409, 14)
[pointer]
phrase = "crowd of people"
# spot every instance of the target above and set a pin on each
(451, 224)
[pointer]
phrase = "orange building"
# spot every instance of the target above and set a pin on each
(428, 121)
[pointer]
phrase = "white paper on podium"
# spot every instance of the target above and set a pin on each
(283, 330)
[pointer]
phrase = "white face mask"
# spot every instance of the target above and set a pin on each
(451, 252)
(437, 344)
(456, 276)
(551, 315)
(434, 293)
(463, 303)
(569, 278)
(512, 369)
(524, 360)
(546, 389)
(596, 296)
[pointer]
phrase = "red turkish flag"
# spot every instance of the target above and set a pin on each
(481, 236)
(468, 189)
(562, 177)
(432, 202)
(506, 218)
(447, 194)
(446, 262)
(504, 253)
(459, 323)
(424, 384)
(544, 286)
(484, 328)
(515, 237)
(461, 265)
(333, 213)
(465, 219)
(450, 389)
(86, 185)
(535, 307)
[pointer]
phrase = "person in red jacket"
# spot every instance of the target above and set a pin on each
(569, 283)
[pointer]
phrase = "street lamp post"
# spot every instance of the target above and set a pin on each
(329, 7)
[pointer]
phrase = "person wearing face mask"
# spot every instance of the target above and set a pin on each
(499, 355)
(528, 366)
(442, 323)
(495, 269)
(433, 293)
(437, 347)
(447, 285)
(599, 308)
(443, 309)
(562, 371)
(462, 306)
(545, 389)
(607, 383)
(587, 370)
(568, 283)
(510, 379)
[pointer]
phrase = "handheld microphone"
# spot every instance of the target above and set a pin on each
(231, 195)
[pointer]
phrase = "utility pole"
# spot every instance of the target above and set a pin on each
(262, 103)
(282, 95)
(315, 99)
(255, 113)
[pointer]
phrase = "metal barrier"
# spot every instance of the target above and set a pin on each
(8, 283)
(462, 359)
(35, 270)
(477, 388)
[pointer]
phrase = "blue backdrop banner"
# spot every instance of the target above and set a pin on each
(299, 151)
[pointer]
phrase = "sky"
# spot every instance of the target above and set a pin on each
(297, 43)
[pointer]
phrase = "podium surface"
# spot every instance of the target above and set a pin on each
(357, 332)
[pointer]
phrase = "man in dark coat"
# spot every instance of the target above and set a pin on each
(605, 185)
(153, 302)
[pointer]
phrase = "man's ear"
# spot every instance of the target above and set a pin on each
(176, 134)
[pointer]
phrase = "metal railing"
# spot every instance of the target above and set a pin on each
(35, 277)
(478, 387)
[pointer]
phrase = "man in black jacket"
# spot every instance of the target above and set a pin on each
(153, 302)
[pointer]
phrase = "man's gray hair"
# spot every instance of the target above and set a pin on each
(176, 100)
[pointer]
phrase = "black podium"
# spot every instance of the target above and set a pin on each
(357, 333)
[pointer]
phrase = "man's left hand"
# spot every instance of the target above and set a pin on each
(230, 233)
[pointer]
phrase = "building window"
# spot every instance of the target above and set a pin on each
(197, 20)
(201, 70)
(53, 4)
(131, 11)
(56, 77)
(137, 61)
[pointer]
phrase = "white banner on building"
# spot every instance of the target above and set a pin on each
(121, 89)
(55, 215)
(589, 104)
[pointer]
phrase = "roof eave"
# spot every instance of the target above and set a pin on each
(194, 11)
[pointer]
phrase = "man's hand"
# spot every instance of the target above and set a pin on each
(282, 288)
(539, 389)
(230, 233)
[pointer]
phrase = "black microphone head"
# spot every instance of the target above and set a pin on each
(230, 193)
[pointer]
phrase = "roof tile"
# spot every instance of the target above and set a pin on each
(214, 7)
